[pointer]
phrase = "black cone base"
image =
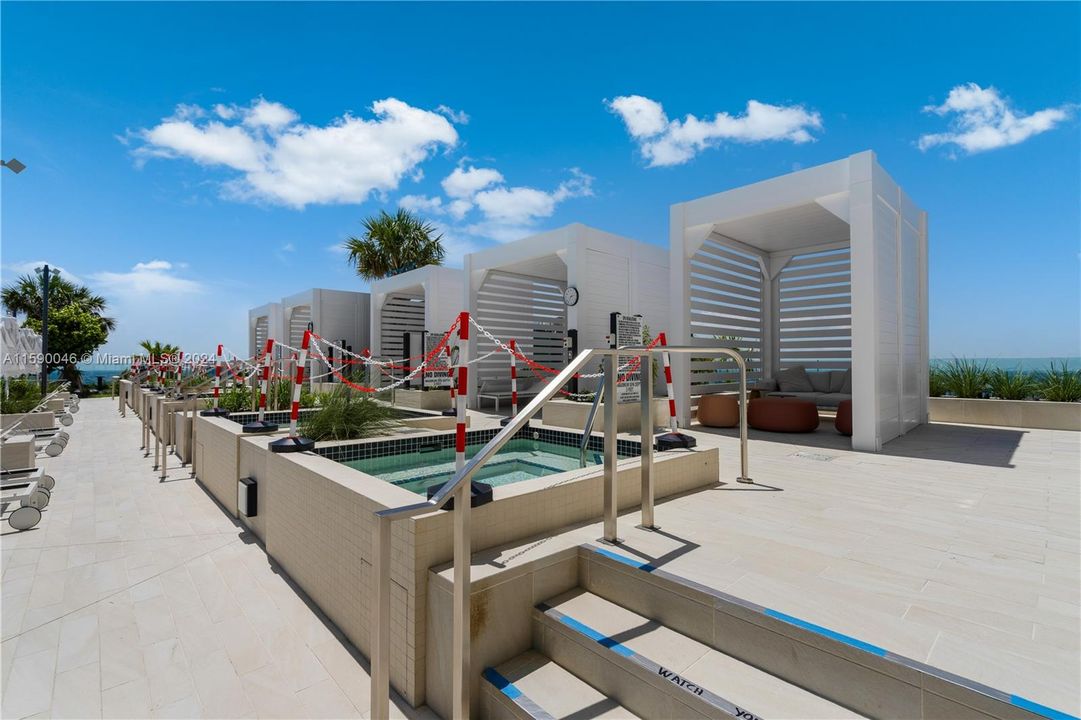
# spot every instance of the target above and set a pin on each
(215, 412)
(291, 444)
(260, 426)
(675, 441)
(449, 412)
(481, 494)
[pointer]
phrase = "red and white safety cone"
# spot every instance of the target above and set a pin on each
(295, 443)
(216, 411)
(261, 425)
(672, 439)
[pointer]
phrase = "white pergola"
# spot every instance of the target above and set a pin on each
(825, 267)
(265, 321)
(516, 290)
(426, 299)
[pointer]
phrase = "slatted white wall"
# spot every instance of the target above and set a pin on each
(528, 309)
(262, 329)
(401, 313)
(726, 298)
(299, 318)
(815, 311)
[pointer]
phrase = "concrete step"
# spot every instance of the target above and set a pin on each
(533, 686)
(657, 672)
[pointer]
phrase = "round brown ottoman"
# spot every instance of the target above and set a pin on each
(782, 415)
(843, 421)
(718, 410)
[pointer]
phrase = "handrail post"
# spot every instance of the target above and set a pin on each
(611, 494)
(645, 372)
(742, 420)
(460, 678)
(380, 619)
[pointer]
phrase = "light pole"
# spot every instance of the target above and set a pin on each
(43, 273)
(14, 165)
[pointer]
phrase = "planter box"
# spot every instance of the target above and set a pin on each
(32, 421)
(422, 399)
(570, 414)
(1006, 413)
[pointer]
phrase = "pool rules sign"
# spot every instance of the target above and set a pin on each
(626, 330)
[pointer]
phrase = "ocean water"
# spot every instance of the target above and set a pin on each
(1025, 364)
(92, 371)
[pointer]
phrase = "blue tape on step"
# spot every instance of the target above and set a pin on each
(853, 642)
(595, 635)
(625, 560)
(502, 684)
(1035, 707)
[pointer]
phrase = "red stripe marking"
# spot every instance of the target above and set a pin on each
(672, 408)
(294, 412)
(459, 439)
(514, 398)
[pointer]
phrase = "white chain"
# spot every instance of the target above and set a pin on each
(392, 386)
(506, 348)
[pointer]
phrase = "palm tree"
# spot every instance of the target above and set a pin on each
(393, 244)
(155, 350)
(24, 296)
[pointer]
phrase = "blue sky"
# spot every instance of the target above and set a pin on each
(190, 161)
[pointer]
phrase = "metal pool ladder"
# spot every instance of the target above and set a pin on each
(591, 420)
(459, 486)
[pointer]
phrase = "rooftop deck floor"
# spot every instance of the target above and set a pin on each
(958, 546)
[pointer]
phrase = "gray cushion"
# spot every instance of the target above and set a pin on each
(813, 396)
(846, 386)
(820, 381)
(765, 385)
(794, 379)
(837, 380)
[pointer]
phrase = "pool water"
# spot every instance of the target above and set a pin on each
(518, 460)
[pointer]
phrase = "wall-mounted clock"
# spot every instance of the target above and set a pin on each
(570, 296)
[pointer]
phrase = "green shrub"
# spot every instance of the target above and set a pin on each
(964, 378)
(936, 382)
(19, 396)
(1060, 384)
(236, 398)
(1015, 385)
(347, 415)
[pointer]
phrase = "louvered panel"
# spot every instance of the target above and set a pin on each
(815, 311)
(530, 310)
(401, 313)
(298, 323)
(726, 305)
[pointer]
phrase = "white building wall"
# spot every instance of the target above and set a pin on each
(443, 290)
(272, 314)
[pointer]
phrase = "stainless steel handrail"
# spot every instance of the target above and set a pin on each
(458, 487)
(591, 420)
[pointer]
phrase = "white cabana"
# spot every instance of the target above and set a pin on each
(517, 291)
(265, 321)
(825, 267)
(423, 300)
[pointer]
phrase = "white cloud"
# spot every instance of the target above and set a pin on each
(499, 212)
(12, 270)
(466, 182)
(152, 278)
(422, 204)
(288, 247)
(270, 115)
(284, 161)
(225, 112)
(456, 116)
(984, 120)
(665, 142)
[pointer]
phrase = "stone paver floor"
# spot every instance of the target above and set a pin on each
(138, 598)
(957, 545)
